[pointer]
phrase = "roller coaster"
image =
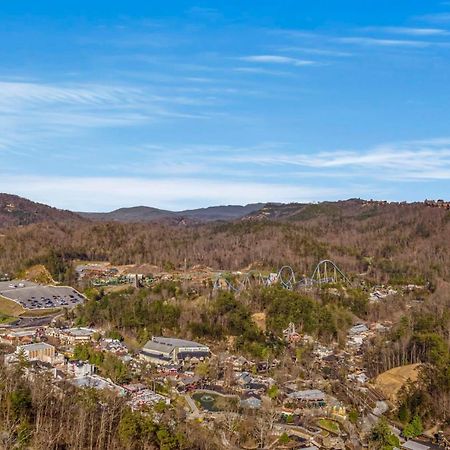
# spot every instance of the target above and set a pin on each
(326, 272)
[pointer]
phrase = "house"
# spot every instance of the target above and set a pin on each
(251, 403)
(162, 350)
(244, 379)
(308, 397)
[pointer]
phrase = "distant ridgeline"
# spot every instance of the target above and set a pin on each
(438, 204)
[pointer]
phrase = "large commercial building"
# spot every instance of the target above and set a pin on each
(40, 351)
(162, 350)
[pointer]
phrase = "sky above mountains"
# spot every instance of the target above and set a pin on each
(185, 104)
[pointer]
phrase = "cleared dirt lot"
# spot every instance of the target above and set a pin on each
(391, 382)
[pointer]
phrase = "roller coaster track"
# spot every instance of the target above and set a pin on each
(325, 272)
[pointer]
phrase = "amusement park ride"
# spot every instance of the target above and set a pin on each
(326, 272)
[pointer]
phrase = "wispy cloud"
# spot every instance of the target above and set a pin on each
(414, 160)
(317, 51)
(410, 31)
(32, 113)
(411, 160)
(277, 59)
(370, 41)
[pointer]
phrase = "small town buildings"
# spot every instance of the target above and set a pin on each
(114, 346)
(18, 337)
(162, 350)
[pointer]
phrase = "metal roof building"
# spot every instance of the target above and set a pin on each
(413, 445)
(309, 395)
(162, 350)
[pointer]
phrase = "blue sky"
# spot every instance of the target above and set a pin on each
(184, 104)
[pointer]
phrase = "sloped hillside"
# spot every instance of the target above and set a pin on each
(15, 210)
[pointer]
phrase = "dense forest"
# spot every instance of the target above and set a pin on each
(387, 242)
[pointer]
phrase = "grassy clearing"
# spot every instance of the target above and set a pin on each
(7, 320)
(10, 308)
(40, 312)
(329, 425)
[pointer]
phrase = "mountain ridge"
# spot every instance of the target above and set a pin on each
(151, 214)
(19, 211)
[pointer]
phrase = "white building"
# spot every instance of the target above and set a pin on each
(80, 369)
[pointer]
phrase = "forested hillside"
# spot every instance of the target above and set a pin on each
(387, 242)
(15, 210)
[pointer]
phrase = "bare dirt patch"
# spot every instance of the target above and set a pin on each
(260, 320)
(391, 381)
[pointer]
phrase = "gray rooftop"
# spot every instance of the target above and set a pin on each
(90, 381)
(412, 445)
(159, 344)
(174, 342)
(251, 402)
(35, 346)
(309, 394)
(156, 347)
(80, 331)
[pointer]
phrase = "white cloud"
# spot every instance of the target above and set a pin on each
(95, 193)
(277, 59)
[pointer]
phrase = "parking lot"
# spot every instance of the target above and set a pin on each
(34, 296)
